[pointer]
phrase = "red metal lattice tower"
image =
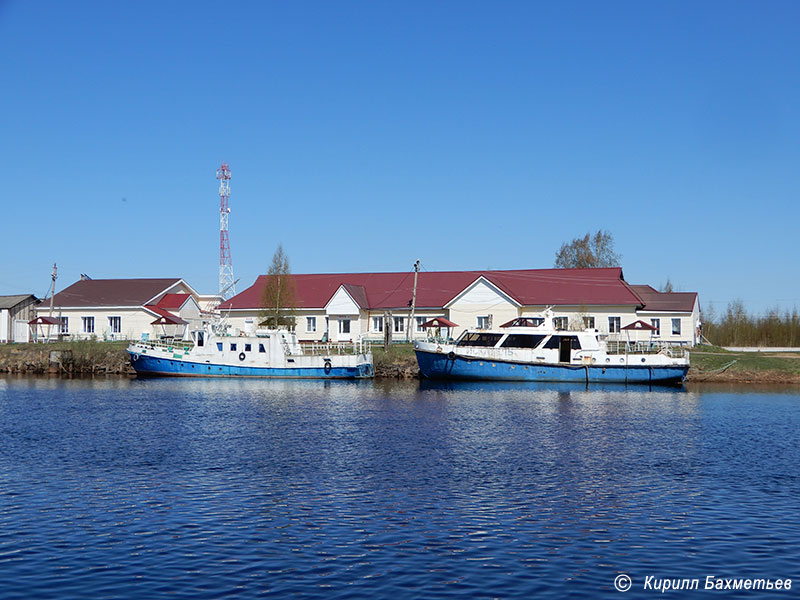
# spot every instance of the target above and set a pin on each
(227, 285)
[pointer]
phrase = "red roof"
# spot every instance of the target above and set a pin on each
(45, 321)
(173, 301)
(639, 326)
(654, 300)
(532, 287)
(169, 319)
(111, 292)
(438, 322)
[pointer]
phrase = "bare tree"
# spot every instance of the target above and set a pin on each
(590, 251)
(278, 299)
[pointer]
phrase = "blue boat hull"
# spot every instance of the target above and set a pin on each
(152, 366)
(438, 366)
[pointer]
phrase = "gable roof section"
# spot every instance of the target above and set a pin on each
(173, 301)
(531, 287)
(496, 289)
(12, 301)
(656, 301)
(357, 293)
(112, 292)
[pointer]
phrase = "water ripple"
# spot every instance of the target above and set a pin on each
(206, 489)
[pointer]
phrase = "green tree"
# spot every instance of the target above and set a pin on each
(278, 299)
(589, 251)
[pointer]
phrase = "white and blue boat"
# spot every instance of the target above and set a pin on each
(273, 353)
(531, 349)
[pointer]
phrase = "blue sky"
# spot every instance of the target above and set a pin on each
(365, 135)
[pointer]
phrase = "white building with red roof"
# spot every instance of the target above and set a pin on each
(110, 309)
(346, 306)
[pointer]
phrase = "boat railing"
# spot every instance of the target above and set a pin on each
(166, 343)
(357, 346)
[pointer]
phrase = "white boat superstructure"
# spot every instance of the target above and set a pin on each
(263, 353)
(532, 349)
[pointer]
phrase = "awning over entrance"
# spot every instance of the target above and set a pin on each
(639, 326)
(169, 320)
(45, 321)
(438, 322)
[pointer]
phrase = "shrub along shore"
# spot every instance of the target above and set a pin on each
(709, 363)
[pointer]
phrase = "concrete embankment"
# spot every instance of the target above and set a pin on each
(110, 358)
(66, 358)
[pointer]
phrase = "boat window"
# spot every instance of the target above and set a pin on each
(518, 340)
(247, 347)
(233, 347)
(479, 339)
(261, 348)
(219, 346)
(555, 342)
(200, 338)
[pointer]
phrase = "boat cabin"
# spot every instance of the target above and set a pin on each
(563, 342)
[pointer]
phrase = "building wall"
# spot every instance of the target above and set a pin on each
(24, 311)
(481, 301)
(465, 313)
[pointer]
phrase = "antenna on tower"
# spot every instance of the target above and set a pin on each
(227, 284)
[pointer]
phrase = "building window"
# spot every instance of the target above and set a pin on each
(344, 325)
(561, 323)
(676, 326)
(484, 322)
(657, 324)
(115, 324)
(88, 324)
(420, 322)
(613, 325)
(377, 324)
(64, 327)
(588, 322)
(311, 324)
(399, 324)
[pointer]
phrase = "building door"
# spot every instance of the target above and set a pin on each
(565, 349)
(21, 331)
(344, 330)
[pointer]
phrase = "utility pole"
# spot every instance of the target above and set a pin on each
(413, 302)
(53, 277)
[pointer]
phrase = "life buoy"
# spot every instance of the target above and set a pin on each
(451, 355)
(328, 366)
(241, 356)
(134, 357)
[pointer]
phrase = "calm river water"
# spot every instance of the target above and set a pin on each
(231, 488)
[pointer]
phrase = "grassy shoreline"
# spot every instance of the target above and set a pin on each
(708, 363)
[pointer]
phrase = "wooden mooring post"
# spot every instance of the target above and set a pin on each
(387, 330)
